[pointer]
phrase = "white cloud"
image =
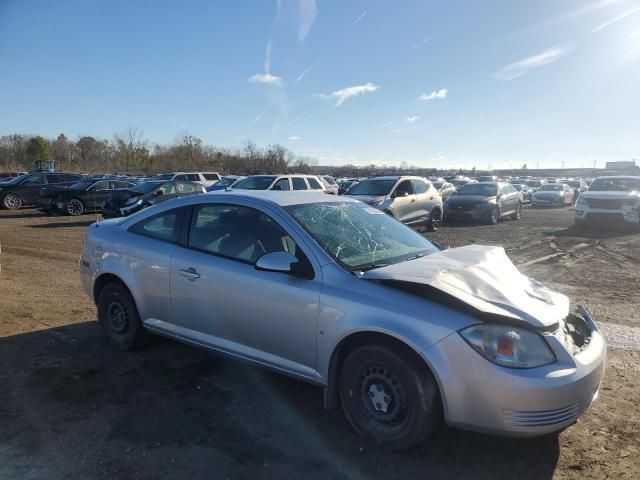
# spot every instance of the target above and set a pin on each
(616, 19)
(442, 93)
(521, 67)
(308, 12)
(412, 119)
(294, 138)
(266, 78)
(386, 124)
(341, 96)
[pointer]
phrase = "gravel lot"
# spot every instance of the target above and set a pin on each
(72, 408)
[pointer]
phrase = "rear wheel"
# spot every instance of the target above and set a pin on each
(388, 398)
(435, 220)
(11, 201)
(74, 207)
(119, 319)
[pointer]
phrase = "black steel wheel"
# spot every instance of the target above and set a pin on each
(494, 217)
(388, 397)
(119, 319)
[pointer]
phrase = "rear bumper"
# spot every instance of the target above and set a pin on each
(479, 395)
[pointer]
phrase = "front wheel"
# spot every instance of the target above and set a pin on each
(495, 216)
(11, 201)
(435, 220)
(74, 207)
(517, 215)
(388, 398)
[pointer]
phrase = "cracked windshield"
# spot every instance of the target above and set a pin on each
(319, 239)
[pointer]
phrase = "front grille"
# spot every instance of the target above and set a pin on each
(541, 418)
(605, 218)
(606, 203)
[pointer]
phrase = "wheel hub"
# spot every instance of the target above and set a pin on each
(379, 398)
(118, 317)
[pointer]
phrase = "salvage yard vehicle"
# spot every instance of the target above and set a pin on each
(330, 290)
(204, 178)
(24, 190)
(445, 189)
(81, 197)
(412, 200)
(280, 182)
(609, 200)
(484, 201)
(525, 191)
(125, 202)
(553, 195)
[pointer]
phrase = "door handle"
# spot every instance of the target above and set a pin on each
(189, 273)
(413, 200)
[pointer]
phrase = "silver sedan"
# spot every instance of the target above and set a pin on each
(330, 290)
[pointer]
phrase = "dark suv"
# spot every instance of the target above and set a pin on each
(25, 189)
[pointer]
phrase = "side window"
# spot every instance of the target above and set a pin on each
(180, 177)
(193, 177)
(65, 177)
(101, 185)
(211, 176)
(237, 232)
(299, 183)
(53, 178)
(163, 226)
(120, 184)
(405, 186)
(34, 180)
(314, 183)
(419, 186)
(282, 184)
(168, 188)
(183, 187)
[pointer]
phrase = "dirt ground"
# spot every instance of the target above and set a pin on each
(70, 407)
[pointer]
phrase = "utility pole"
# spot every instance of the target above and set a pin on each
(537, 165)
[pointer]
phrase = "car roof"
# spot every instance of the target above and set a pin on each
(395, 177)
(280, 198)
(616, 177)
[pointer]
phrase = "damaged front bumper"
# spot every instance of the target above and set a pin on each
(482, 396)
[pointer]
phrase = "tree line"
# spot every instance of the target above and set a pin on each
(130, 152)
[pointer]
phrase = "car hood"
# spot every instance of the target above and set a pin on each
(485, 279)
(367, 198)
(547, 193)
(604, 195)
(468, 199)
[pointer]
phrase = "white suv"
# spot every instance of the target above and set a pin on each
(205, 179)
(610, 200)
(280, 182)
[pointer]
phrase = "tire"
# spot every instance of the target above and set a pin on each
(435, 220)
(517, 215)
(11, 201)
(74, 207)
(495, 216)
(373, 378)
(119, 318)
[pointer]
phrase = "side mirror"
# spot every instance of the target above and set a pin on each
(159, 192)
(282, 262)
(399, 194)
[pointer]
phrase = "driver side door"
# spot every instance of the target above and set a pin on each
(221, 301)
(404, 202)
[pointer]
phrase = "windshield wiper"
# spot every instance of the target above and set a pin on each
(419, 255)
(371, 266)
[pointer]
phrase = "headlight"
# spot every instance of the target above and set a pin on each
(132, 202)
(509, 346)
(581, 201)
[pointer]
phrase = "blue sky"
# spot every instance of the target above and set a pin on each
(456, 83)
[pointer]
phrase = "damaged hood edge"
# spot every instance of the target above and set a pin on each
(483, 278)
